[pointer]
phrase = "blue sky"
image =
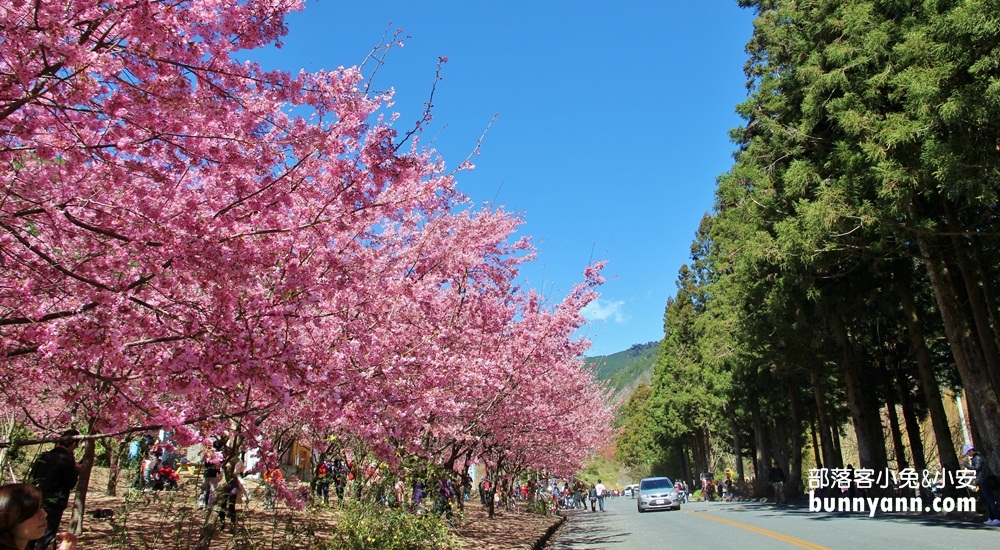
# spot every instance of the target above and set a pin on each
(612, 124)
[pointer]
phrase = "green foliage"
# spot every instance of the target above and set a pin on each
(15, 455)
(621, 370)
(869, 155)
(538, 506)
(365, 526)
(870, 131)
(690, 387)
(602, 468)
(636, 443)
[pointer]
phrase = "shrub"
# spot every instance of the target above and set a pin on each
(539, 506)
(366, 526)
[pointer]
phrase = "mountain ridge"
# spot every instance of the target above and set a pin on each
(624, 370)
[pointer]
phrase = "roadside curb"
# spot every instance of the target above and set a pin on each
(540, 543)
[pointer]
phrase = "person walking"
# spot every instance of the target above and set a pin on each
(776, 477)
(227, 507)
(271, 477)
(442, 506)
(466, 486)
(483, 487)
(977, 462)
(581, 494)
(55, 473)
(417, 496)
(324, 471)
(399, 490)
(210, 473)
(592, 495)
(339, 478)
(601, 492)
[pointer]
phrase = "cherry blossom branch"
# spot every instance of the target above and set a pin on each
(49, 316)
(385, 47)
(467, 163)
(428, 106)
(49, 260)
(144, 428)
(274, 182)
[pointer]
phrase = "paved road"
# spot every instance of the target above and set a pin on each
(711, 526)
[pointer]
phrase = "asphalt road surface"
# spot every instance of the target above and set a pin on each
(746, 525)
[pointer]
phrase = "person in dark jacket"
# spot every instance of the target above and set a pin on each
(55, 473)
(776, 477)
(230, 495)
(978, 463)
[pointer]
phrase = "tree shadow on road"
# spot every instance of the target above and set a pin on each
(963, 521)
(585, 529)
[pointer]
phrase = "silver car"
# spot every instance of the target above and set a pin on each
(658, 493)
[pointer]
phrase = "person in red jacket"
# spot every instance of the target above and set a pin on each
(272, 477)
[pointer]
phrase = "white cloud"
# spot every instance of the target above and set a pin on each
(599, 310)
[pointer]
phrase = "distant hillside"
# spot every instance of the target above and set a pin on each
(625, 369)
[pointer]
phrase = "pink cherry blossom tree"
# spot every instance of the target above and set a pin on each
(190, 242)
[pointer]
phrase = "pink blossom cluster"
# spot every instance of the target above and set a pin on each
(192, 242)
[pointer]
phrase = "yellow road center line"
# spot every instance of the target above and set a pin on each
(761, 531)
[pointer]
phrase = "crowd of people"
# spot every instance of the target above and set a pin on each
(726, 490)
(31, 513)
(562, 494)
(576, 494)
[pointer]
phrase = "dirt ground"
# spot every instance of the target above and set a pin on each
(170, 520)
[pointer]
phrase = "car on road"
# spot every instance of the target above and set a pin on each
(632, 490)
(658, 493)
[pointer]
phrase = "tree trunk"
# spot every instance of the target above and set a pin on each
(779, 441)
(981, 319)
(817, 458)
(984, 405)
(698, 450)
(82, 486)
(8, 426)
(686, 466)
(913, 430)
(737, 446)
(490, 506)
(974, 428)
(989, 289)
(897, 435)
(970, 280)
(795, 458)
(823, 420)
(465, 473)
(866, 417)
(928, 382)
(116, 463)
(838, 461)
(762, 461)
(706, 441)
